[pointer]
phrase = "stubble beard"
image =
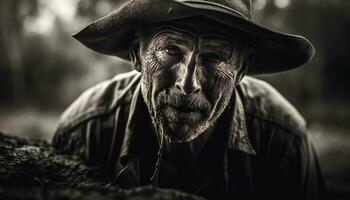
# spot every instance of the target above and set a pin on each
(174, 132)
(168, 124)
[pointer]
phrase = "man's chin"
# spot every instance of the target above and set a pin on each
(182, 126)
(181, 132)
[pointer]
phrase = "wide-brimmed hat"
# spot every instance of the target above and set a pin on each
(274, 52)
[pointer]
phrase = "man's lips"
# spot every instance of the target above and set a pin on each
(184, 109)
(183, 115)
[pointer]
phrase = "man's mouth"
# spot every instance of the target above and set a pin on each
(182, 114)
(184, 109)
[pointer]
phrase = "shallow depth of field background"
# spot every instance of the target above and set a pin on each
(43, 69)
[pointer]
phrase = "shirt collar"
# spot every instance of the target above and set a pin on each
(238, 139)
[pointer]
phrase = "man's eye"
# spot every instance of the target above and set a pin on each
(212, 58)
(172, 50)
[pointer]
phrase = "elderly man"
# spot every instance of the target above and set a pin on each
(188, 118)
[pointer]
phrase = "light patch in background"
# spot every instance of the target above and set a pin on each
(49, 11)
(64, 9)
(29, 123)
(282, 3)
(259, 4)
(103, 7)
(42, 24)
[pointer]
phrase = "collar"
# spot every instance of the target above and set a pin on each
(238, 139)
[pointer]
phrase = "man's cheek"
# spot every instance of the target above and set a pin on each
(219, 87)
(152, 70)
(165, 77)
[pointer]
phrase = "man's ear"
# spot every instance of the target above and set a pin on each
(134, 56)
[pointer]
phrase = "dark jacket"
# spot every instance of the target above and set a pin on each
(267, 153)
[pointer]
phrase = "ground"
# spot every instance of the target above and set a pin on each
(33, 170)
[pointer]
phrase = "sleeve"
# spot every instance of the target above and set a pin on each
(93, 140)
(311, 178)
(74, 141)
(300, 173)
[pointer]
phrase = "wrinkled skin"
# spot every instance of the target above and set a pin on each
(188, 74)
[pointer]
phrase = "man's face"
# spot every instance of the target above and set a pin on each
(188, 75)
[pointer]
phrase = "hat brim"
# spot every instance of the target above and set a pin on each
(113, 34)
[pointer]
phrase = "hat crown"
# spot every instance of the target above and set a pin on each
(243, 7)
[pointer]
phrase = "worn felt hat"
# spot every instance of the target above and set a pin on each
(274, 51)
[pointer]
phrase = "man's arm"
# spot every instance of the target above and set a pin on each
(284, 150)
(93, 125)
(71, 142)
(295, 174)
(304, 170)
(91, 141)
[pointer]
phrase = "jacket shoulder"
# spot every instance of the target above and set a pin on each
(266, 103)
(100, 99)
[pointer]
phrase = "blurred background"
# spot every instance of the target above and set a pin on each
(43, 69)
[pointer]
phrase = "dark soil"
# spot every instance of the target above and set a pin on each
(33, 170)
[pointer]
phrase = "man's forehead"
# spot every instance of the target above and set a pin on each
(197, 27)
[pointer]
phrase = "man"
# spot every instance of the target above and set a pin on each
(186, 118)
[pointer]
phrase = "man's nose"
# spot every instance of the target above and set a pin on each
(187, 81)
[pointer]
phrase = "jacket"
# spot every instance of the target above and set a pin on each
(267, 153)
